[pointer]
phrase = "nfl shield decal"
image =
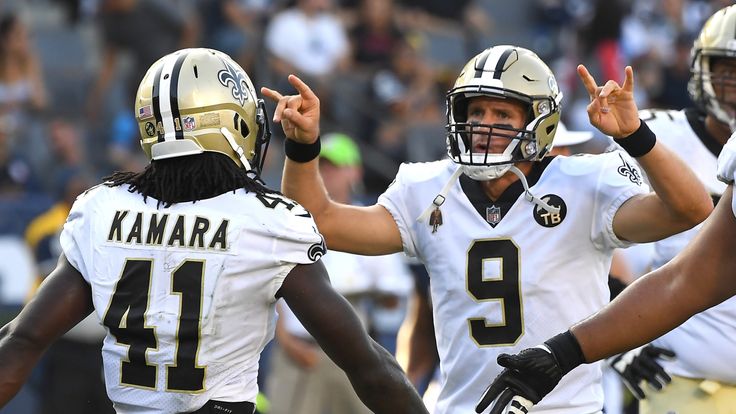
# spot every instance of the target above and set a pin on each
(547, 219)
(188, 122)
(493, 215)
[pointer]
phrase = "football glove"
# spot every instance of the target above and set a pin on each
(530, 375)
(639, 365)
(727, 161)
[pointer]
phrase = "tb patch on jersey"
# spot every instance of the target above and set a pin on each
(547, 219)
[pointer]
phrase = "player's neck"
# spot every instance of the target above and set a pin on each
(720, 131)
(494, 188)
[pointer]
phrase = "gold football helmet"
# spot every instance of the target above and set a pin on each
(507, 72)
(717, 39)
(196, 100)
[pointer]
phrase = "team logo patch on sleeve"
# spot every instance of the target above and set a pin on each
(317, 250)
(547, 219)
(629, 171)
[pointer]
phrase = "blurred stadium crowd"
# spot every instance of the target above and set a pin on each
(69, 69)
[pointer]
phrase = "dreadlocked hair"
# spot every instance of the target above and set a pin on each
(189, 178)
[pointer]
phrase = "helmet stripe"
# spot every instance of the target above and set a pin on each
(178, 130)
(480, 64)
(168, 85)
(501, 63)
(154, 102)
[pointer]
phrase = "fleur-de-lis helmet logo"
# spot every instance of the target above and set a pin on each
(235, 80)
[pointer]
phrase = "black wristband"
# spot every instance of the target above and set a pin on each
(640, 142)
(566, 350)
(302, 152)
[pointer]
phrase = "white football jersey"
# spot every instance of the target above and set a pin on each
(186, 293)
(502, 284)
(715, 328)
(675, 130)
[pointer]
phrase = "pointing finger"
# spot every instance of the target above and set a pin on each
(629, 80)
(271, 94)
(301, 87)
(587, 79)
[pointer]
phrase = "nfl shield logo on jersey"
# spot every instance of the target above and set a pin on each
(493, 215)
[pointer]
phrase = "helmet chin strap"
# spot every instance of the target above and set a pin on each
(531, 197)
(237, 148)
(442, 196)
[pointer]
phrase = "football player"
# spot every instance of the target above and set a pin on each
(515, 243)
(183, 262)
(650, 307)
(701, 382)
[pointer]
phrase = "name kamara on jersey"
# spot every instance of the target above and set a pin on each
(162, 230)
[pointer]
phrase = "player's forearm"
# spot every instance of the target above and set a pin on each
(416, 350)
(18, 356)
(701, 276)
(680, 190)
(303, 183)
(383, 387)
(634, 318)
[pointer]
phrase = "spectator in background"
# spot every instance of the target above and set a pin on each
(408, 94)
(22, 90)
(21, 84)
(310, 40)
(302, 378)
(42, 234)
(20, 191)
(460, 24)
(234, 27)
(307, 38)
(673, 78)
(375, 35)
(68, 155)
(600, 38)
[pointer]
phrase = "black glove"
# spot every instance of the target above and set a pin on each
(641, 364)
(531, 374)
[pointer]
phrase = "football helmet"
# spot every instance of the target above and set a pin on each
(506, 72)
(196, 100)
(717, 39)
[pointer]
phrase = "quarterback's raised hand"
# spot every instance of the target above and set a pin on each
(298, 114)
(530, 375)
(612, 108)
(641, 364)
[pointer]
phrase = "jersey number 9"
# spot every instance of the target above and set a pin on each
(504, 288)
